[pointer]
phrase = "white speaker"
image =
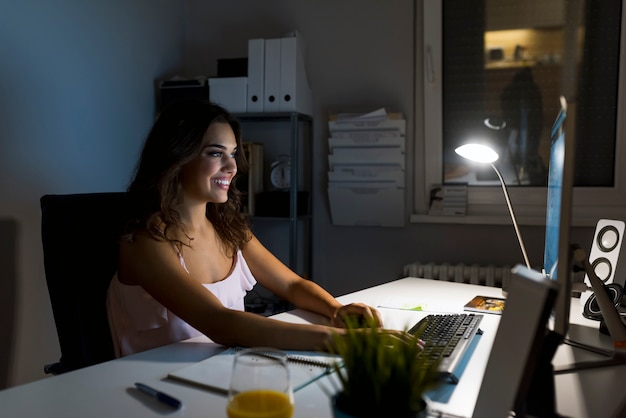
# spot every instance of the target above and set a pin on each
(605, 251)
(604, 257)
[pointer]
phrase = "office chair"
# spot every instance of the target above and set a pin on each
(8, 296)
(79, 234)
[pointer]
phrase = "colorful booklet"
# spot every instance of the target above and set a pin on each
(214, 373)
(486, 304)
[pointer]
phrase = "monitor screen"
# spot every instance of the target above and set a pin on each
(557, 259)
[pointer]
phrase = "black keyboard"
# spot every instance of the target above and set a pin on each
(446, 338)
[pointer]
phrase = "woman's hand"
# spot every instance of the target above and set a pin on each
(358, 314)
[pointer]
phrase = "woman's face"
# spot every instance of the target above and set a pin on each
(207, 177)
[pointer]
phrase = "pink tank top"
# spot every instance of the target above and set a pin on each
(138, 322)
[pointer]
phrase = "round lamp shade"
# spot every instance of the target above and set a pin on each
(477, 152)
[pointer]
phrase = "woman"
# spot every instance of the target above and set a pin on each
(188, 257)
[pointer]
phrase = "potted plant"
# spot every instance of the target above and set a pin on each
(381, 375)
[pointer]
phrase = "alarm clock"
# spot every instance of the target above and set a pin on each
(280, 173)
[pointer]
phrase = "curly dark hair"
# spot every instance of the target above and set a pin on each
(174, 140)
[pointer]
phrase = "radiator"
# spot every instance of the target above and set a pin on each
(489, 275)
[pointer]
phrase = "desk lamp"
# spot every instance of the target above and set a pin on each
(483, 154)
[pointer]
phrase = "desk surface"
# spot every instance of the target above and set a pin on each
(107, 389)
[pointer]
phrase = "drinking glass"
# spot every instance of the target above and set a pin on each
(260, 386)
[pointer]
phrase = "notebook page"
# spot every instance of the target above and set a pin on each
(214, 372)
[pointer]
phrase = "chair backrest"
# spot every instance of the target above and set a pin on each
(8, 296)
(80, 235)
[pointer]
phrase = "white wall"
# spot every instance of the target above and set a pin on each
(360, 56)
(76, 100)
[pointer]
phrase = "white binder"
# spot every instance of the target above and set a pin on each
(295, 92)
(256, 78)
(271, 86)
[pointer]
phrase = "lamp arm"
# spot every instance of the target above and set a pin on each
(508, 203)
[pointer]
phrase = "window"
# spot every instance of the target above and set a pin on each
(494, 70)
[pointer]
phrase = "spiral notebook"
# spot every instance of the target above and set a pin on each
(214, 373)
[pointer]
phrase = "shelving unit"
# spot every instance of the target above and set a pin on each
(284, 133)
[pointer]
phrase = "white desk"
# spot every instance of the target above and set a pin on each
(107, 389)
(593, 392)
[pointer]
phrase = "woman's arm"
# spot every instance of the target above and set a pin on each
(304, 294)
(155, 266)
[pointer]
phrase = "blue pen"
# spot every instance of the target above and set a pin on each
(162, 397)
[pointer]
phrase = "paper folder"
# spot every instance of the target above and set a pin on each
(256, 77)
(366, 173)
(295, 92)
(366, 179)
(272, 76)
(387, 126)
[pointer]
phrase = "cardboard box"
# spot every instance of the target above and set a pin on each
(229, 92)
(171, 91)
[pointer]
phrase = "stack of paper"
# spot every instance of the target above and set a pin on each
(367, 169)
(448, 199)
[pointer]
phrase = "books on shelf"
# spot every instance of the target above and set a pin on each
(251, 184)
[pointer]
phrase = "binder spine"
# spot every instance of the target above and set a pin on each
(256, 77)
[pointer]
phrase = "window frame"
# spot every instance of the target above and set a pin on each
(485, 205)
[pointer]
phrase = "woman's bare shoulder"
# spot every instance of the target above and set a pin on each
(145, 253)
(140, 240)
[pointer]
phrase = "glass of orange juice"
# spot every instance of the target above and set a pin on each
(260, 386)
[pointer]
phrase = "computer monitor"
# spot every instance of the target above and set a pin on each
(518, 375)
(557, 252)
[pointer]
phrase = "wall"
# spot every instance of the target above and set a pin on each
(77, 98)
(359, 58)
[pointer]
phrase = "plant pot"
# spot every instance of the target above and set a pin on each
(341, 409)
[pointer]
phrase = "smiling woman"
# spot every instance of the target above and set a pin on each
(210, 173)
(187, 257)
